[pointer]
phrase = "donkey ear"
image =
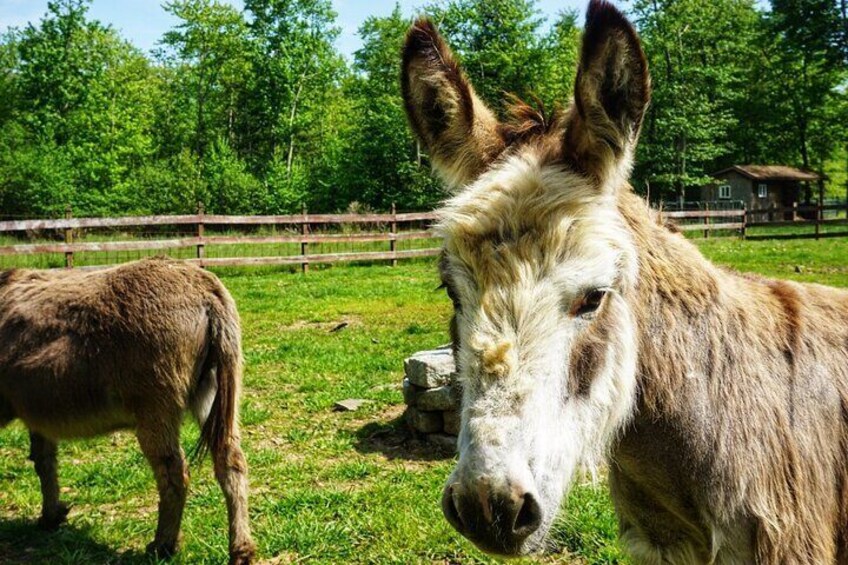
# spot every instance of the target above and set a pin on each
(611, 95)
(461, 134)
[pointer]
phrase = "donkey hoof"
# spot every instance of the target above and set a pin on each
(162, 550)
(51, 522)
(242, 556)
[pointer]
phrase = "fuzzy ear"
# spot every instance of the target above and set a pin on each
(611, 95)
(461, 134)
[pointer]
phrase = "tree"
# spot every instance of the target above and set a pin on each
(561, 49)
(498, 43)
(382, 163)
(82, 95)
(210, 47)
(700, 55)
(811, 68)
(296, 70)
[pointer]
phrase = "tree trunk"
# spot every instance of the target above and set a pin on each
(292, 116)
(844, 8)
(201, 100)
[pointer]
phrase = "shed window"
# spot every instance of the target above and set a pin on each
(724, 191)
(762, 191)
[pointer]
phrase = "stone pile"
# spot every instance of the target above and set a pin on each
(432, 395)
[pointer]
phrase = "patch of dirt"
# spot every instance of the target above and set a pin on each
(343, 323)
(283, 559)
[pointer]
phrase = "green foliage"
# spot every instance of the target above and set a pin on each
(498, 43)
(170, 185)
(230, 188)
(82, 116)
(700, 54)
(387, 165)
(209, 51)
(254, 110)
(559, 65)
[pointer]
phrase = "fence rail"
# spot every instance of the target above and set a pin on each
(307, 232)
(301, 229)
(800, 217)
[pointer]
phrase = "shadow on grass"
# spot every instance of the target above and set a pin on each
(22, 542)
(394, 439)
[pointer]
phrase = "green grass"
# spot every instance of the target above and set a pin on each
(326, 486)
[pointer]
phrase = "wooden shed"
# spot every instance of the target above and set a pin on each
(759, 186)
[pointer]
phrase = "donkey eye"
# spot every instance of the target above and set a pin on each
(590, 303)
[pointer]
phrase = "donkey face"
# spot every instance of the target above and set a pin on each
(537, 259)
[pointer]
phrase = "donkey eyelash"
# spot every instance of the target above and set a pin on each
(581, 308)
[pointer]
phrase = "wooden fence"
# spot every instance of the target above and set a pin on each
(298, 229)
(305, 230)
(741, 221)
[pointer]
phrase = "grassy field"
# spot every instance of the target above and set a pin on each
(326, 486)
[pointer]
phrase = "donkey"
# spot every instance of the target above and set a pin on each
(134, 346)
(585, 329)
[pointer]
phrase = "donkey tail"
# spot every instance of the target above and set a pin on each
(222, 370)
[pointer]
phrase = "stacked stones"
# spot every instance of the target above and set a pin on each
(432, 395)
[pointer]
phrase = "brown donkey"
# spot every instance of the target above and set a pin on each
(135, 346)
(584, 328)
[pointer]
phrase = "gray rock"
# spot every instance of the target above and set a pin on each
(411, 392)
(452, 422)
(430, 369)
(436, 399)
(424, 422)
(444, 442)
(349, 405)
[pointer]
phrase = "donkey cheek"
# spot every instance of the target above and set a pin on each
(586, 363)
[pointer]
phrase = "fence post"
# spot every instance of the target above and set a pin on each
(820, 209)
(393, 241)
(304, 247)
(744, 231)
(69, 239)
(201, 231)
(707, 221)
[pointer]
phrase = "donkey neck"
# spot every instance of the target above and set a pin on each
(686, 310)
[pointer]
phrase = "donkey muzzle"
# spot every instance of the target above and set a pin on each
(497, 522)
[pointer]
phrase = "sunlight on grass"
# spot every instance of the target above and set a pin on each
(327, 487)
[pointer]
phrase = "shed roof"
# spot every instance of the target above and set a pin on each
(771, 172)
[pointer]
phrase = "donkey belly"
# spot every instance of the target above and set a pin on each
(63, 405)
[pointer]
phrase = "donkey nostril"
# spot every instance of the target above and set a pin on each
(529, 516)
(450, 510)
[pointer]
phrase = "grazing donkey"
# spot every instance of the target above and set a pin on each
(584, 328)
(134, 346)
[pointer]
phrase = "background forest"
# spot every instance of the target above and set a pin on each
(255, 111)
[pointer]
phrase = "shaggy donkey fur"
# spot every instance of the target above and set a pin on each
(585, 328)
(135, 346)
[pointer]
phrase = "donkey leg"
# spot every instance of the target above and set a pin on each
(160, 444)
(43, 454)
(231, 472)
